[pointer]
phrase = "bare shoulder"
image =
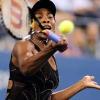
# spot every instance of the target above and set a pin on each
(22, 46)
(21, 43)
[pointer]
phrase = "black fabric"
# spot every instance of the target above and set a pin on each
(36, 87)
(19, 92)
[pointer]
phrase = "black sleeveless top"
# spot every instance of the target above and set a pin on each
(41, 84)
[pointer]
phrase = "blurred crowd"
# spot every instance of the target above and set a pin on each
(85, 39)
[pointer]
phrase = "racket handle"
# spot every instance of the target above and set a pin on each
(52, 36)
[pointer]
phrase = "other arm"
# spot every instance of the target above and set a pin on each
(66, 94)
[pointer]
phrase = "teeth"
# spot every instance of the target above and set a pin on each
(47, 27)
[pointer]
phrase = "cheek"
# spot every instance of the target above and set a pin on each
(53, 25)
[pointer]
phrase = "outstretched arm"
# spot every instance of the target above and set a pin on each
(66, 94)
(30, 62)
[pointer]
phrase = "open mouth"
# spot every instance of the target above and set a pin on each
(47, 27)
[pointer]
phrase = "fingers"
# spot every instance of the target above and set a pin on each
(63, 42)
(50, 43)
(96, 86)
(90, 82)
(90, 77)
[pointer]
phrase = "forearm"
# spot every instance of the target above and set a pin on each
(67, 93)
(35, 62)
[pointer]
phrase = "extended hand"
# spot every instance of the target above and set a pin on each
(62, 45)
(89, 82)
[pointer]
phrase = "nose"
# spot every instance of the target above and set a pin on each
(45, 20)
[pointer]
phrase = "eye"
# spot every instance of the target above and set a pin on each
(38, 16)
(50, 16)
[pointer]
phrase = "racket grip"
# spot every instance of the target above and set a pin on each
(52, 36)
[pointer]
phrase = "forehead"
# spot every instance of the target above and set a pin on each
(43, 10)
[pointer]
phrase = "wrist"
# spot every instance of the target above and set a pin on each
(83, 84)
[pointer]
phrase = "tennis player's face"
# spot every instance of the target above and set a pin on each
(46, 19)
